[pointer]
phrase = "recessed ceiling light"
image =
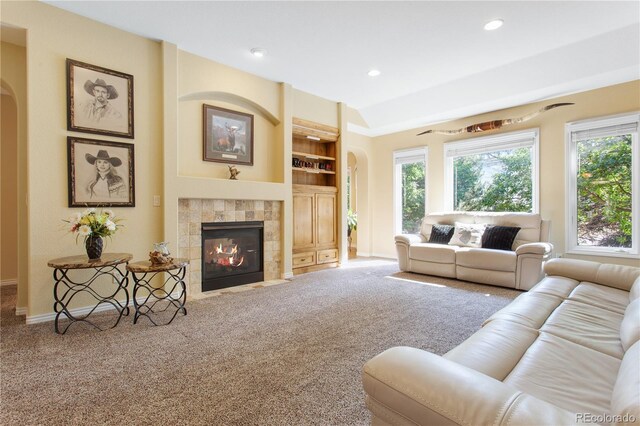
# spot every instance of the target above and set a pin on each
(373, 73)
(493, 25)
(258, 52)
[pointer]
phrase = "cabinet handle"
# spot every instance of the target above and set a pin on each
(302, 260)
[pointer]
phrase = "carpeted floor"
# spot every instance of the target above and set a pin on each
(289, 354)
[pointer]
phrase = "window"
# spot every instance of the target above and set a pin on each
(410, 171)
(494, 173)
(603, 186)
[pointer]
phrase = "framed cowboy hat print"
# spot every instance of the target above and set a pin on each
(99, 100)
(101, 173)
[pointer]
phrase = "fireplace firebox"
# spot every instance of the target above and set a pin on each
(232, 254)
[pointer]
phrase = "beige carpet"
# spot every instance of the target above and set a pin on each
(289, 354)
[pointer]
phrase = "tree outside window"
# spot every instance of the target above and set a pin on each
(604, 192)
(413, 197)
(494, 181)
(409, 189)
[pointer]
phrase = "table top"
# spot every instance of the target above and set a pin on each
(83, 262)
(147, 266)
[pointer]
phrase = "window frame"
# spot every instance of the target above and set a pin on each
(484, 144)
(571, 185)
(400, 157)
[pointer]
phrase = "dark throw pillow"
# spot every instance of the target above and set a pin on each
(441, 234)
(499, 237)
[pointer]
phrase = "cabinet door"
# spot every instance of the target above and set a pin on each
(326, 220)
(304, 220)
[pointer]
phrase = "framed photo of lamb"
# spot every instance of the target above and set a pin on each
(99, 100)
(100, 173)
(227, 136)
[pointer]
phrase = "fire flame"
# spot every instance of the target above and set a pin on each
(229, 256)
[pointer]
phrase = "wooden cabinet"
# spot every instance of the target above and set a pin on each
(315, 196)
(315, 242)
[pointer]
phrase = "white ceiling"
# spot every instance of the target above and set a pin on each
(436, 60)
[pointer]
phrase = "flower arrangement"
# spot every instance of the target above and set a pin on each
(92, 223)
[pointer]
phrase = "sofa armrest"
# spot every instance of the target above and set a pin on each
(543, 249)
(424, 388)
(409, 239)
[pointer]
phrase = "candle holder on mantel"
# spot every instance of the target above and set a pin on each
(160, 254)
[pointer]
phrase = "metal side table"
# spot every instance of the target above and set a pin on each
(66, 289)
(155, 299)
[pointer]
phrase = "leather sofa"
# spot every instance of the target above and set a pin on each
(566, 352)
(519, 268)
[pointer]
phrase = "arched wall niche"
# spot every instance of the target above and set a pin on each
(234, 99)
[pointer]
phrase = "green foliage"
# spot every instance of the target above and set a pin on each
(413, 196)
(507, 188)
(352, 222)
(604, 191)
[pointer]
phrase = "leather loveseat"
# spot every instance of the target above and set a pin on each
(520, 267)
(566, 352)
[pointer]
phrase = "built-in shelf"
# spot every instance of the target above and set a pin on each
(312, 156)
(313, 171)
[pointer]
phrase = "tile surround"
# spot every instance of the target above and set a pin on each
(192, 212)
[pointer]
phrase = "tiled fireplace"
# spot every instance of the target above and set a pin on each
(192, 213)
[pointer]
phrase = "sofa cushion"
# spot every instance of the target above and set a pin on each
(495, 260)
(495, 349)
(587, 325)
(437, 253)
(441, 234)
(499, 237)
(630, 327)
(568, 375)
(444, 218)
(528, 309)
(529, 224)
(626, 392)
(556, 286)
(616, 276)
(467, 235)
(601, 296)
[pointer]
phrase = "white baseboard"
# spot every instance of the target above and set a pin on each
(383, 256)
(4, 283)
(363, 254)
(21, 310)
(287, 275)
(78, 312)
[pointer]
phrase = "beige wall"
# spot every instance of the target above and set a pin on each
(201, 81)
(54, 35)
(170, 87)
(606, 101)
(361, 148)
(13, 60)
(9, 179)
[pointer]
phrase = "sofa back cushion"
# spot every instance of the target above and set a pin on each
(630, 326)
(626, 391)
(530, 223)
(616, 276)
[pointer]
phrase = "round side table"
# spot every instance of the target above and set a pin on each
(157, 299)
(65, 289)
